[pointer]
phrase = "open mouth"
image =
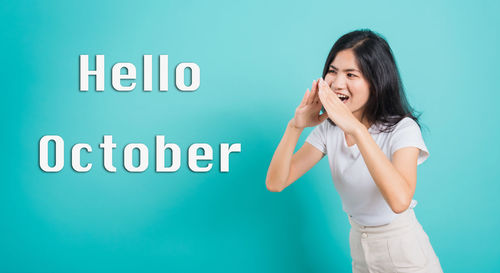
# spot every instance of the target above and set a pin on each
(343, 97)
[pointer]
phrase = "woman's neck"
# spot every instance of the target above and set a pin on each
(364, 121)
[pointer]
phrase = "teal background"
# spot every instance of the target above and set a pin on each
(256, 59)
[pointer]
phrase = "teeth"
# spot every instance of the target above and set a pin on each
(342, 97)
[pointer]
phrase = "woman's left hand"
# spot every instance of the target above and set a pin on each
(337, 111)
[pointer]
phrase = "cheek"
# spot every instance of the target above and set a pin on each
(329, 79)
(360, 93)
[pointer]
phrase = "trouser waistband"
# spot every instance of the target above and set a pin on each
(400, 224)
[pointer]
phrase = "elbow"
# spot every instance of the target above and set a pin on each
(401, 206)
(273, 186)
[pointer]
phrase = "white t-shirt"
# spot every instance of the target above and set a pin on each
(361, 198)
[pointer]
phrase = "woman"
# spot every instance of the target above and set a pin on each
(373, 143)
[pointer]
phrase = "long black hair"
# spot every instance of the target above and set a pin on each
(387, 102)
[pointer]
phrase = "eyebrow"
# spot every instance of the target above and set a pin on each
(345, 70)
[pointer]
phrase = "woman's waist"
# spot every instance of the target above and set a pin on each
(401, 223)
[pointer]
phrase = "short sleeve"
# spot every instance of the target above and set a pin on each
(317, 137)
(407, 134)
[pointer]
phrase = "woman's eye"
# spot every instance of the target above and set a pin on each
(332, 71)
(350, 74)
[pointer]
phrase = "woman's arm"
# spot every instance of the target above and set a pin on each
(279, 167)
(286, 167)
(397, 179)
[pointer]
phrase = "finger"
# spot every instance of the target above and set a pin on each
(322, 94)
(328, 93)
(315, 85)
(334, 98)
(322, 86)
(315, 90)
(311, 97)
(304, 99)
(317, 99)
(323, 99)
(323, 116)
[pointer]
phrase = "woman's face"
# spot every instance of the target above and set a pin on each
(344, 78)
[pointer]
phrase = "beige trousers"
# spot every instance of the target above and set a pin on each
(400, 246)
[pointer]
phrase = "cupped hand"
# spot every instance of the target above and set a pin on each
(337, 111)
(307, 113)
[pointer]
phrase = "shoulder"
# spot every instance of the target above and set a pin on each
(405, 124)
(407, 133)
(319, 136)
(407, 121)
(405, 130)
(389, 129)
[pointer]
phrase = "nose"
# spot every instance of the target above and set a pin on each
(338, 83)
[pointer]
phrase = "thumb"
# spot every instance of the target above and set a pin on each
(323, 116)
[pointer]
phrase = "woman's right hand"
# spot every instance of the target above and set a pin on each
(307, 113)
